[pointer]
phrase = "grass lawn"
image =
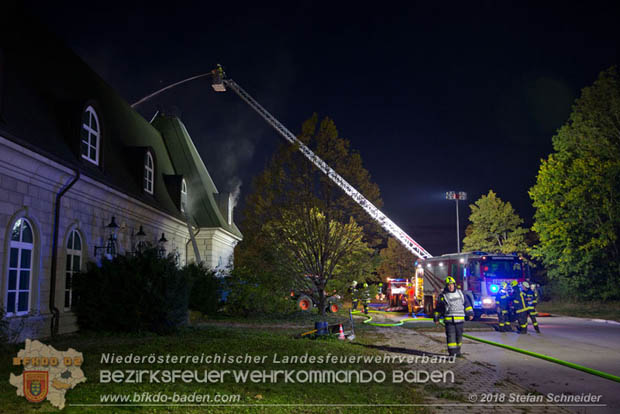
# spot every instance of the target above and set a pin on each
(594, 310)
(218, 339)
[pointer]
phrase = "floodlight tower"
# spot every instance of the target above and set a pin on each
(453, 195)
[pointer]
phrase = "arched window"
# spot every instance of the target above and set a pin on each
(149, 172)
(20, 268)
(183, 194)
(73, 266)
(90, 134)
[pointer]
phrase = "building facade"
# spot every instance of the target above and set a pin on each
(84, 177)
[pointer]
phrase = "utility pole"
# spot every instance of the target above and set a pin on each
(453, 195)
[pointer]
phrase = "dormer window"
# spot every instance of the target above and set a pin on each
(149, 172)
(90, 134)
(183, 194)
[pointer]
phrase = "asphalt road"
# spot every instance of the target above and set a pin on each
(590, 343)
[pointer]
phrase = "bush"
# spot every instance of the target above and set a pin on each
(256, 293)
(205, 288)
(132, 293)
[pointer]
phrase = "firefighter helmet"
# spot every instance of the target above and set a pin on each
(449, 280)
(526, 285)
(514, 283)
(354, 283)
(365, 285)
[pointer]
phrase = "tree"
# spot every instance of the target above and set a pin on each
(577, 195)
(316, 250)
(396, 261)
(292, 192)
(495, 227)
(291, 179)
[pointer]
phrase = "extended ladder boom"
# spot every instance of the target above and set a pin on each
(373, 211)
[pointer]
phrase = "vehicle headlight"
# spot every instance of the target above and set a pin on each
(487, 301)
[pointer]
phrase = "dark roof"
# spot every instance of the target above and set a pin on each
(187, 162)
(44, 89)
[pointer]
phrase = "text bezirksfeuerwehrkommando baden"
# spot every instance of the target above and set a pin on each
(342, 376)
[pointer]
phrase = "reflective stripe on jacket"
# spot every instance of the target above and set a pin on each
(530, 298)
(519, 301)
(453, 306)
(454, 303)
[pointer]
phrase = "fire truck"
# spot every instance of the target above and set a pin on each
(479, 274)
(397, 292)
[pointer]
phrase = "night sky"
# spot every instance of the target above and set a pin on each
(436, 96)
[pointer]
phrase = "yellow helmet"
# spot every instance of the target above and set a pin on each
(449, 280)
(504, 285)
(514, 283)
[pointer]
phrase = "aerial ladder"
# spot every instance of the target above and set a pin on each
(220, 84)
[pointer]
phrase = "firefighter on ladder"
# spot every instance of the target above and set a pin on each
(503, 317)
(218, 73)
(520, 307)
(452, 308)
(531, 298)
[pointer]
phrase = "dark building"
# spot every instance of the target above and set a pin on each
(75, 158)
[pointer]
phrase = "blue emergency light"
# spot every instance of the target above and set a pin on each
(493, 288)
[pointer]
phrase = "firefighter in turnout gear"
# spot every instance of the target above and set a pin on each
(520, 306)
(218, 73)
(411, 298)
(366, 298)
(452, 308)
(512, 317)
(501, 299)
(531, 298)
(354, 295)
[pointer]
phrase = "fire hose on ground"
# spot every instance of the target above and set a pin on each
(500, 345)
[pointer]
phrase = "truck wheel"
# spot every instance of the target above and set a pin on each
(333, 307)
(428, 306)
(304, 303)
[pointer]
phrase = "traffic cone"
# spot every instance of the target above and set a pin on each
(341, 334)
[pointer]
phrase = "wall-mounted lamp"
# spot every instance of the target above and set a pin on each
(111, 248)
(161, 248)
(140, 243)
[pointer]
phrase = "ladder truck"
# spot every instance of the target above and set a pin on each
(427, 284)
